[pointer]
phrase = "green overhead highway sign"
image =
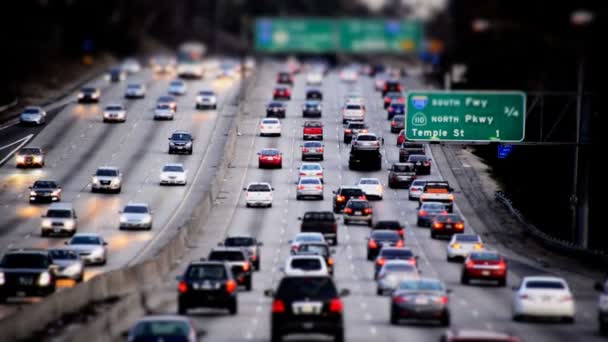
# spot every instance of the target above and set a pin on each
(466, 116)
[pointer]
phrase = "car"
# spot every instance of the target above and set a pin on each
(177, 87)
(306, 304)
(602, 315)
(238, 261)
(173, 173)
(250, 244)
(318, 248)
(380, 238)
(270, 157)
(115, 112)
(135, 91)
(393, 97)
(281, 93)
(323, 222)
(401, 139)
(27, 272)
(421, 162)
(276, 109)
(380, 80)
(353, 111)
(343, 194)
(59, 218)
(207, 284)
(352, 129)
(163, 64)
(131, 66)
(135, 216)
(206, 99)
(349, 75)
(428, 211)
(258, 194)
(391, 86)
(162, 328)
(314, 94)
(394, 253)
(467, 335)
(354, 97)
(461, 245)
(415, 189)
(311, 170)
(372, 187)
(45, 191)
(32, 115)
(30, 157)
(438, 191)
(358, 210)
(446, 225)
(69, 264)
(312, 150)
(305, 265)
(309, 187)
(408, 148)
(390, 225)
(90, 246)
(392, 273)
(107, 179)
(397, 123)
(284, 77)
(116, 74)
(365, 141)
(88, 95)
(313, 130)
(314, 77)
(365, 159)
(401, 175)
(312, 108)
(168, 100)
(395, 109)
(181, 142)
(270, 127)
(421, 299)
(484, 265)
(307, 237)
(164, 111)
(543, 297)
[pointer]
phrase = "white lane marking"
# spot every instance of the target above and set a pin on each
(20, 143)
(363, 305)
(463, 302)
(10, 124)
(368, 317)
(248, 335)
(373, 330)
(258, 309)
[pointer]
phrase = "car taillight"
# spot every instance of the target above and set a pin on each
(443, 300)
(502, 265)
(438, 225)
(340, 198)
(335, 305)
(566, 298)
(422, 213)
(399, 300)
(300, 187)
(254, 257)
(319, 187)
(246, 267)
(393, 123)
(385, 87)
(478, 246)
(469, 264)
(348, 211)
(391, 109)
(275, 92)
(456, 245)
(278, 306)
(320, 149)
(426, 163)
(330, 261)
(459, 226)
(412, 261)
(347, 131)
(524, 296)
(363, 131)
(230, 286)
(367, 210)
(380, 261)
(302, 173)
(182, 287)
(387, 99)
(400, 231)
(319, 173)
(362, 197)
(335, 226)
(372, 244)
(305, 150)
(401, 100)
(399, 243)
(261, 126)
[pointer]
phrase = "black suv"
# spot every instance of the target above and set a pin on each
(421, 162)
(401, 175)
(353, 128)
(314, 94)
(311, 108)
(180, 142)
(27, 272)
(323, 222)
(45, 191)
(307, 304)
(250, 244)
(390, 225)
(238, 261)
(343, 194)
(275, 109)
(408, 148)
(382, 238)
(391, 86)
(207, 284)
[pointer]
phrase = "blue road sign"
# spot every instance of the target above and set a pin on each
(504, 150)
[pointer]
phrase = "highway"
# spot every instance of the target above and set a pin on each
(77, 142)
(484, 307)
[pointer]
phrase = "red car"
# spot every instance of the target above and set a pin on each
(281, 93)
(270, 157)
(313, 130)
(401, 137)
(484, 265)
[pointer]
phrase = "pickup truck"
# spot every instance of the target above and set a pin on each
(323, 222)
(313, 130)
(408, 148)
(438, 192)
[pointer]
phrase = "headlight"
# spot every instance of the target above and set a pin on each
(46, 223)
(189, 143)
(115, 181)
(1, 278)
(56, 192)
(95, 180)
(44, 279)
(81, 95)
(147, 219)
(73, 269)
(32, 193)
(199, 99)
(20, 159)
(96, 252)
(212, 99)
(123, 219)
(69, 224)
(37, 159)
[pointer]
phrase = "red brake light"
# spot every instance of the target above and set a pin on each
(335, 305)
(502, 264)
(422, 213)
(305, 150)
(330, 261)
(459, 226)
(254, 257)
(362, 197)
(320, 149)
(246, 267)
(348, 211)
(443, 300)
(372, 244)
(390, 109)
(347, 131)
(438, 225)
(340, 198)
(393, 123)
(300, 187)
(230, 286)
(470, 264)
(400, 243)
(400, 300)
(367, 210)
(319, 187)
(278, 306)
(400, 231)
(380, 261)
(182, 287)
(401, 100)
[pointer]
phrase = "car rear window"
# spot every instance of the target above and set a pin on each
(239, 241)
(399, 118)
(358, 204)
(319, 216)
(421, 285)
(63, 254)
(400, 268)
(314, 248)
(367, 138)
(312, 144)
(177, 331)
(227, 256)
(485, 256)
(403, 168)
(545, 284)
(369, 181)
(314, 288)
(306, 264)
(467, 238)
(416, 158)
(275, 104)
(309, 238)
(270, 121)
(313, 124)
(397, 253)
(356, 126)
(206, 93)
(418, 183)
(351, 192)
(385, 235)
(448, 217)
(310, 181)
(216, 272)
(25, 260)
(114, 108)
(259, 188)
(309, 167)
(432, 206)
(388, 225)
(353, 107)
(270, 152)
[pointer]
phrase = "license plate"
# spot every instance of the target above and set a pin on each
(357, 213)
(307, 325)
(56, 229)
(307, 309)
(422, 301)
(448, 226)
(485, 273)
(206, 286)
(20, 294)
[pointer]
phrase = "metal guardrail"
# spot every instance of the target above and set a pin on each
(549, 241)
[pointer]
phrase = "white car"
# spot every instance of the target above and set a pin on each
(131, 66)
(365, 141)
(310, 187)
(177, 87)
(32, 115)
(305, 265)
(540, 296)
(90, 246)
(135, 90)
(270, 126)
(173, 173)
(314, 77)
(115, 113)
(258, 194)
(372, 187)
(301, 238)
(462, 244)
(164, 111)
(349, 75)
(311, 170)
(416, 189)
(136, 216)
(353, 111)
(206, 99)
(392, 273)
(107, 178)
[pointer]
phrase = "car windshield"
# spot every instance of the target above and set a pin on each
(24, 260)
(403, 168)
(58, 213)
(316, 249)
(353, 107)
(399, 118)
(310, 181)
(385, 236)
(31, 111)
(312, 104)
(367, 138)
(421, 285)
(215, 272)
(206, 93)
(349, 192)
(270, 121)
(259, 188)
(136, 209)
(85, 240)
(173, 168)
(163, 106)
(181, 136)
(227, 256)
(401, 253)
(63, 254)
(308, 238)
(358, 205)
(388, 225)
(306, 264)
(88, 90)
(275, 104)
(467, 238)
(29, 151)
(448, 218)
(134, 86)
(416, 158)
(485, 256)
(270, 152)
(313, 288)
(545, 284)
(239, 241)
(369, 181)
(356, 126)
(175, 330)
(310, 167)
(166, 99)
(418, 183)
(177, 83)
(44, 184)
(106, 172)
(114, 108)
(432, 206)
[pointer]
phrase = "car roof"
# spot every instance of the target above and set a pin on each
(403, 164)
(61, 206)
(399, 262)
(136, 205)
(396, 249)
(309, 234)
(27, 250)
(32, 108)
(304, 256)
(383, 231)
(543, 278)
(114, 168)
(206, 262)
(115, 104)
(364, 134)
(350, 187)
(174, 164)
(153, 318)
(369, 178)
(87, 234)
(182, 132)
(226, 249)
